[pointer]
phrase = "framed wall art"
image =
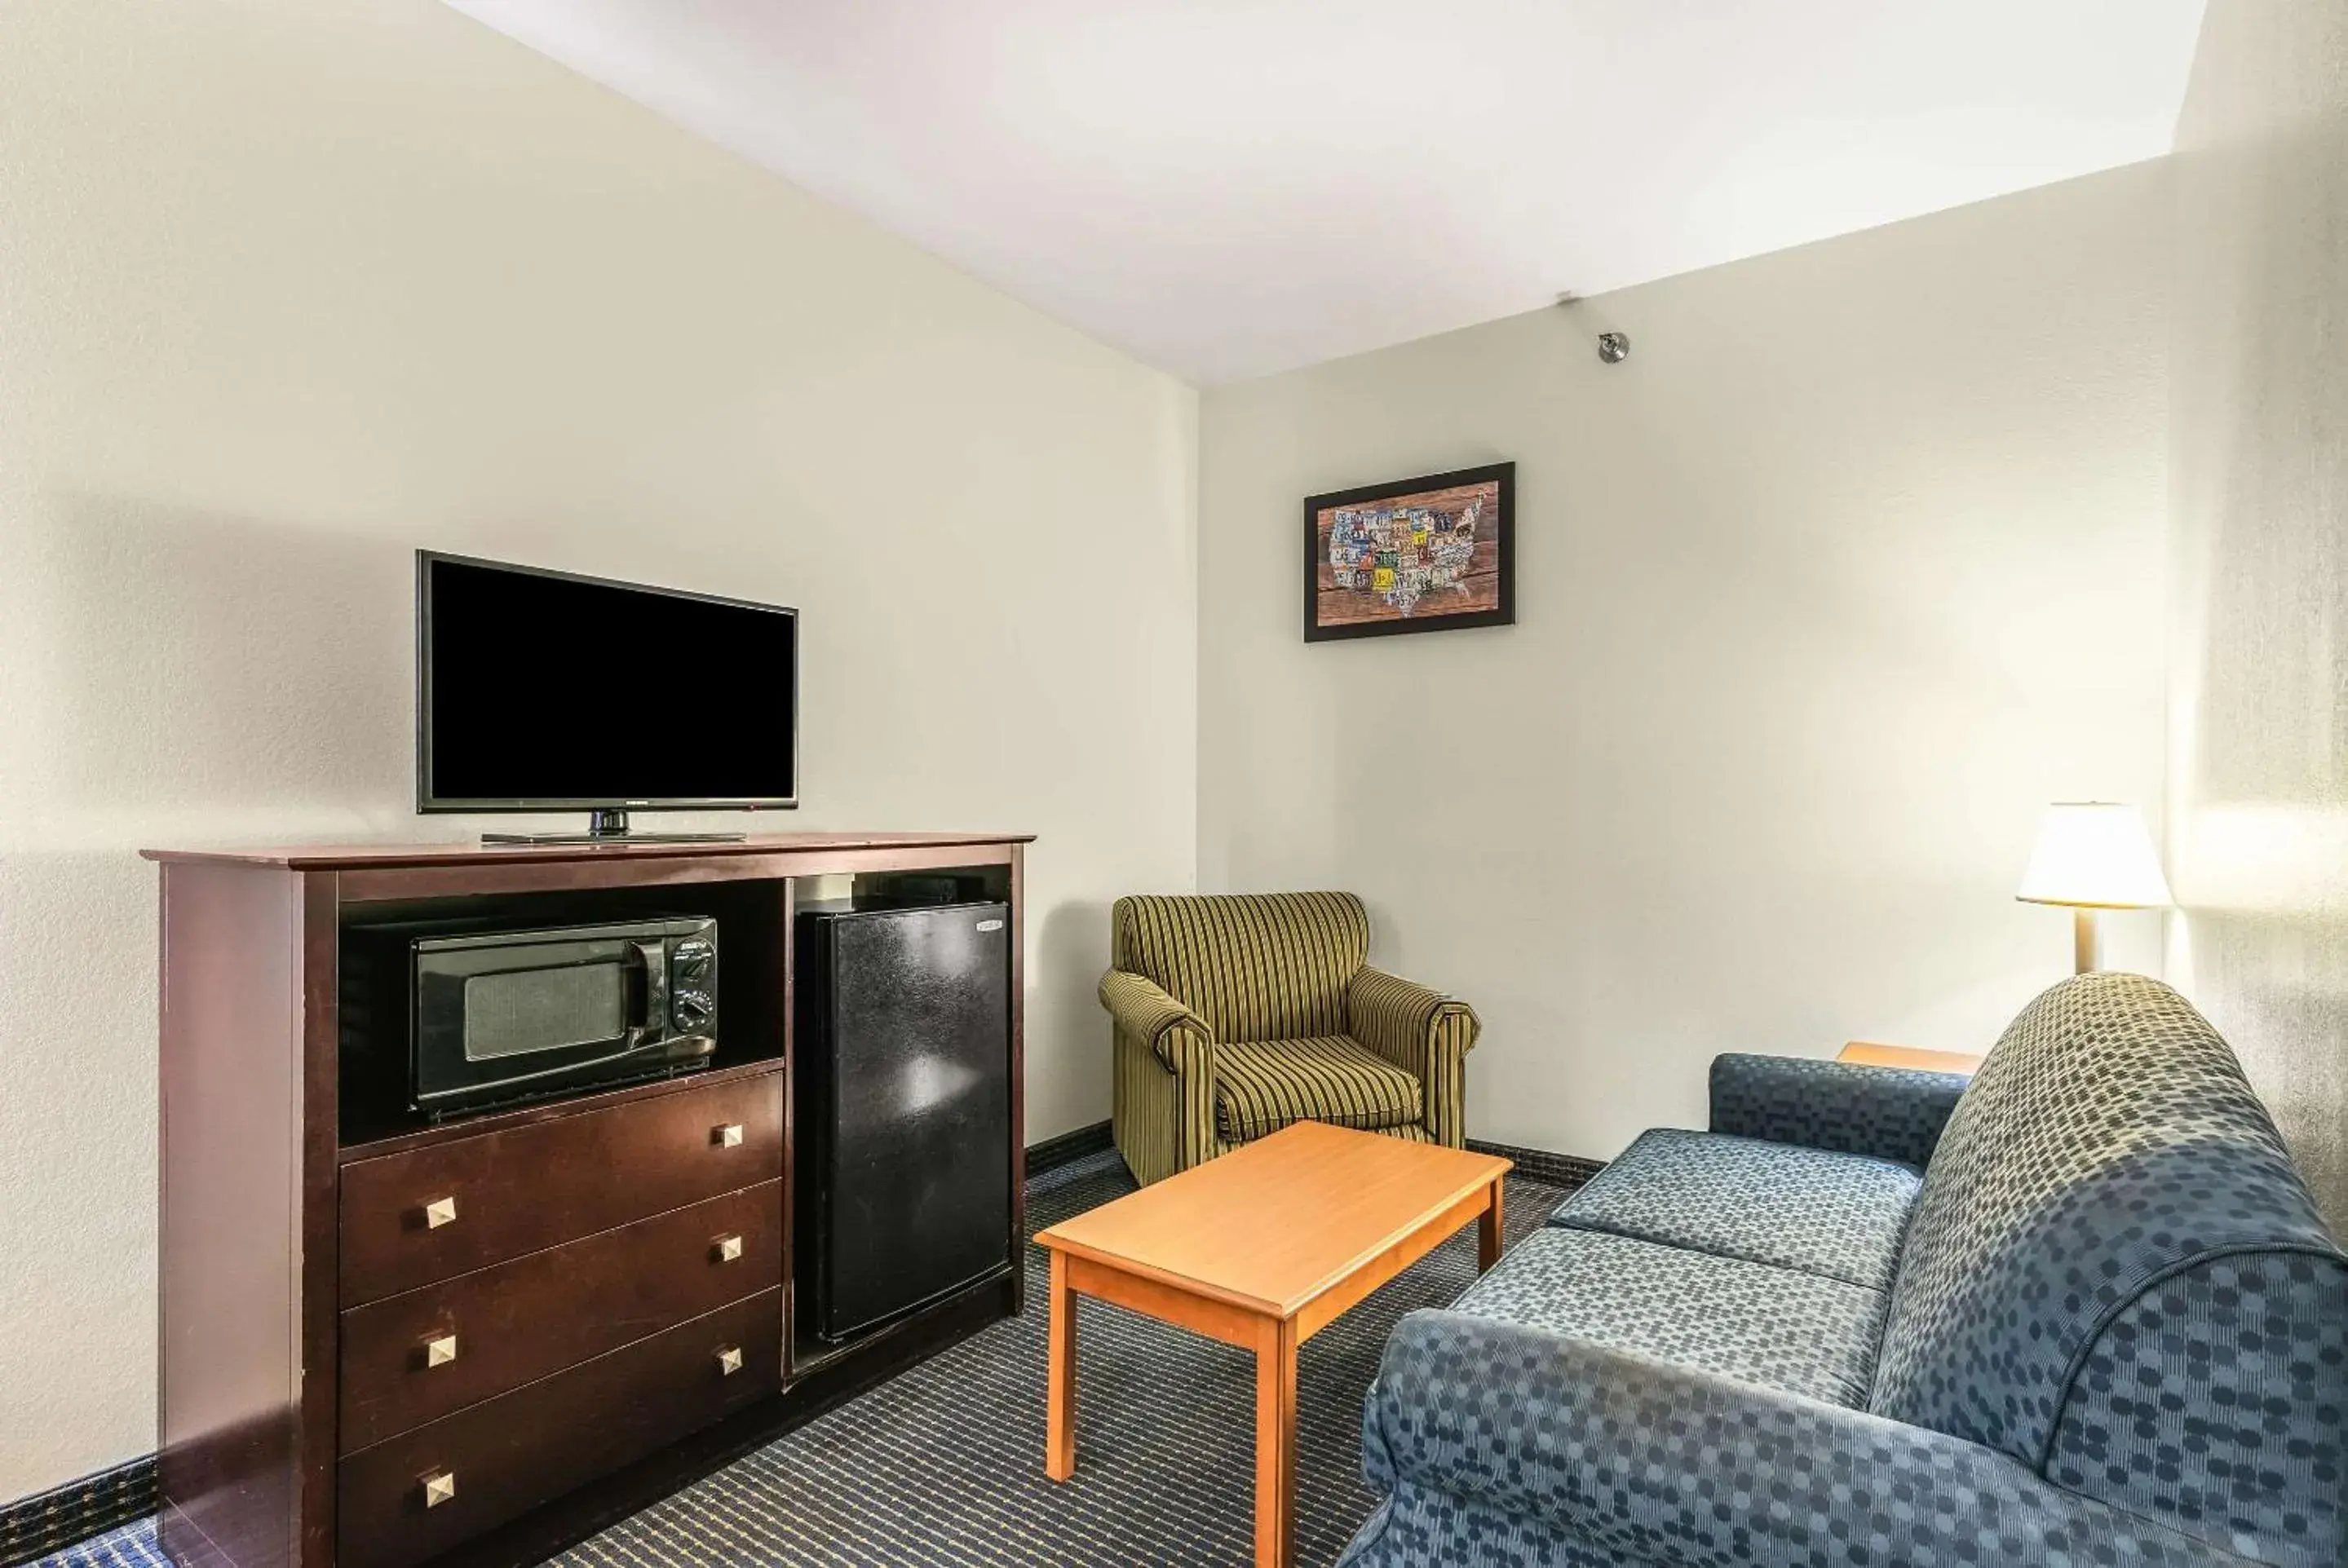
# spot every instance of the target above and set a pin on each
(1429, 554)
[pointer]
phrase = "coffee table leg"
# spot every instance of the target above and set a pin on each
(1488, 1234)
(1275, 1443)
(1060, 1398)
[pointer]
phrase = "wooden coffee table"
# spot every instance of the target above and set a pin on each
(1262, 1249)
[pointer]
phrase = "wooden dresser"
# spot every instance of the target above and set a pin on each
(387, 1342)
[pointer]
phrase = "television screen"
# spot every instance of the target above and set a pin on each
(540, 691)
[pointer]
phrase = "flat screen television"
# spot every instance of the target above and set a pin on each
(544, 691)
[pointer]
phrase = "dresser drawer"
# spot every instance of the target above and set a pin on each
(499, 1458)
(413, 1358)
(427, 1214)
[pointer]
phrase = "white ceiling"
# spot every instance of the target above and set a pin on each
(1227, 187)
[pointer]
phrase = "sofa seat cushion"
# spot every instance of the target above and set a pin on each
(1262, 1087)
(1841, 1215)
(1781, 1329)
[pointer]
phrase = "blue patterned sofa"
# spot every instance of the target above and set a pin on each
(2080, 1312)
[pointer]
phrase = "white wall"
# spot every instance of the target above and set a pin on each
(1851, 568)
(2258, 671)
(288, 288)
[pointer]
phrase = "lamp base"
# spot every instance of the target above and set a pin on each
(2087, 941)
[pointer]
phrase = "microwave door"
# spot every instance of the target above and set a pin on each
(500, 1018)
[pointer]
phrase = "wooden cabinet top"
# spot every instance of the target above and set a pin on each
(376, 856)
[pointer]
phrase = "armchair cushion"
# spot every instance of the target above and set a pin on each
(1841, 1215)
(1778, 1328)
(1261, 1086)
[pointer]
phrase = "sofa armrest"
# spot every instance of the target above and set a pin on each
(1890, 1112)
(1426, 1033)
(1146, 1010)
(1641, 1461)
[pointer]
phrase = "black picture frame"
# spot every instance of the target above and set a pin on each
(1501, 476)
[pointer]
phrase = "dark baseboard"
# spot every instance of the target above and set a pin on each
(1540, 1165)
(33, 1527)
(1568, 1170)
(1067, 1148)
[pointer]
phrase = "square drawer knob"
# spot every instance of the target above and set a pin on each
(728, 1136)
(729, 1360)
(439, 1212)
(440, 1486)
(729, 1247)
(439, 1350)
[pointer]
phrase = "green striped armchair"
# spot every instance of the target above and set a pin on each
(1236, 1014)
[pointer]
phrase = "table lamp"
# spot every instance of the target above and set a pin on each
(2092, 856)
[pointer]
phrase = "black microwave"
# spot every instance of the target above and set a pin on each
(505, 1016)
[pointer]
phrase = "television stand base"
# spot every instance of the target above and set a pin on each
(611, 827)
(615, 839)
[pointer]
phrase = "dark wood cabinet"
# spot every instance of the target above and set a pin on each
(387, 1342)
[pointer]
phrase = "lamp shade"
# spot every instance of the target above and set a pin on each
(2094, 855)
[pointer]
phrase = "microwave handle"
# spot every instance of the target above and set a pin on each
(675, 1047)
(651, 997)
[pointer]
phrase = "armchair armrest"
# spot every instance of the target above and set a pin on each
(1422, 1031)
(1889, 1113)
(1148, 1012)
(1640, 1461)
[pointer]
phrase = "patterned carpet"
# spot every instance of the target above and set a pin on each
(944, 1464)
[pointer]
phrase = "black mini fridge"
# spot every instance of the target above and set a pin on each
(902, 1080)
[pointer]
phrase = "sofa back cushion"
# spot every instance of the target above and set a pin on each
(1255, 965)
(2109, 1149)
